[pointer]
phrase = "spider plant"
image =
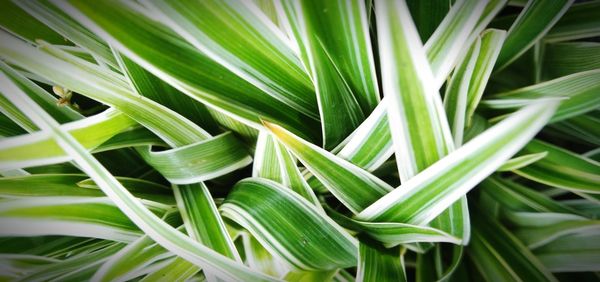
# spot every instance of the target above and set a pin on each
(299, 140)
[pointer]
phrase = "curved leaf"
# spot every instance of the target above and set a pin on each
(289, 226)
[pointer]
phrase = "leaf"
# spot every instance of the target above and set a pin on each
(370, 144)
(177, 269)
(40, 149)
(561, 59)
(73, 264)
(583, 127)
(414, 107)
(418, 124)
(293, 178)
(61, 22)
(73, 216)
(266, 163)
(353, 186)
(76, 185)
(259, 258)
(184, 67)
(133, 257)
(580, 89)
(491, 43)
(26, 27)
(43, 98)
(516, 197)
(541, 235)
(101, 85)
(562, 169)
(500, 256)
(149, 223)
(571, 253)
(273, 161)
(427, 15)
(392, 234)
(533, 23)
(444, 45)
(426, 195)
(202, 220)
(240, 38)
(522, 161)
(579, 22)
(378, 264)
(455, 99)
(148, 85)
(289, 226)
(199, 161)
(340, 61)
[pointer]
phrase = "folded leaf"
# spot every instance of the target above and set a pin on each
(289, 226)
(199, 161)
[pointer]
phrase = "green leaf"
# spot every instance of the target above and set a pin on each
(340, 61)
(184, 67)
(199, 161)
(580, 89)
(259, 258)
(379, 264)
(571, 253)
(76, 264)
(426, 195)
(243, 40)
(130, 259)
(40, 149)
(18, 22)
(579, 22)
(148, 85)
(99, 84)
(273, 161)
(491, 43)
(43, 98)
(76, 185)
(370, 144)
(586, 128)
(533, 23)
(61, 22)
(562, 169)
(177, 269)
(522, 161)
(67, 216)
(428, 15)
(420, 132)
(202, 220)
(455, 98)
(500, 256)
(266, 162)
(535, 237)
(567, 58)
(516, 197)
(289, 226)
(149, 223)
(444, 45)
(353, 186)
(393, 233)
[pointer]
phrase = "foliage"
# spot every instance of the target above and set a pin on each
(299, 140)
